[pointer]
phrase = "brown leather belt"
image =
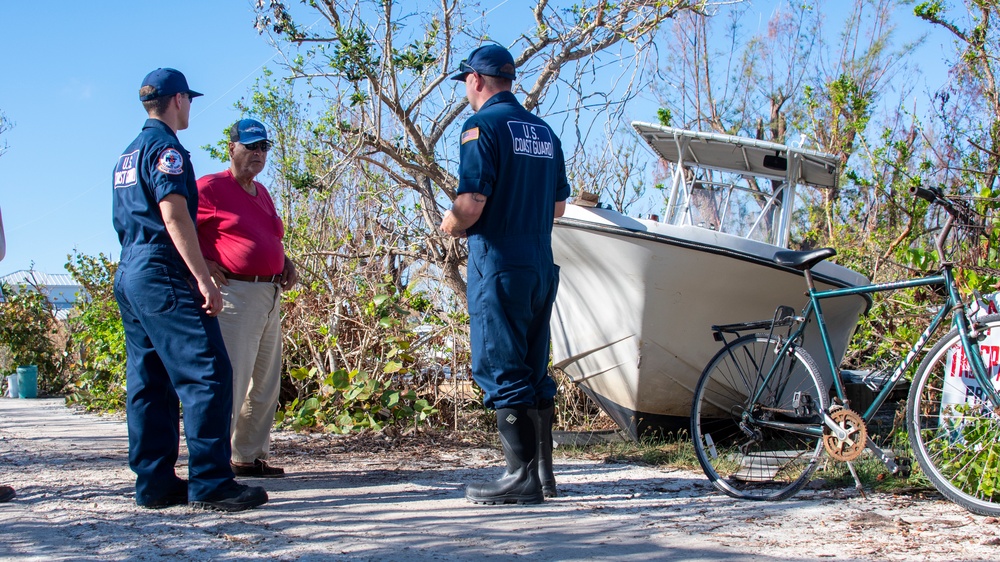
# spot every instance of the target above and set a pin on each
(255, 278)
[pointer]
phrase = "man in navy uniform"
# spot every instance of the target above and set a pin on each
(511, 186)
(168, 305)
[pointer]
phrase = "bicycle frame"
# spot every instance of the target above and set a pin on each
(953, 303)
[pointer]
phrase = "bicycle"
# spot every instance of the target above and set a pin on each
(763, 415)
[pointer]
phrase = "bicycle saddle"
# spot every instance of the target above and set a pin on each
(803, 260)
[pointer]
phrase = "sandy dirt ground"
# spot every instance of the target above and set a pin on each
(75, 502)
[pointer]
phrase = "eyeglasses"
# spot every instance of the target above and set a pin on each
(263, 146)
(464, 66)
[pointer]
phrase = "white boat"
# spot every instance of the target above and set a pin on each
(637, 297)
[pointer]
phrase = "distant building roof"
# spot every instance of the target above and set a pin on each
(28, 277)
(60, 288)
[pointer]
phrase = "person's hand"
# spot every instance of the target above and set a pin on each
(213, 297)
(217, 272)
(289, 275)
(450, 226)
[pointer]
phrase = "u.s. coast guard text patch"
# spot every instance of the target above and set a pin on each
(531, 139)
(170, 162)
(126, 171)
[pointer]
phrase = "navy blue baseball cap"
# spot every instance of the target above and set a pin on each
(167, 82)
(247, 131)
(488, 60)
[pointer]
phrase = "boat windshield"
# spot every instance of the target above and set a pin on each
(730, 203)
(737, 185)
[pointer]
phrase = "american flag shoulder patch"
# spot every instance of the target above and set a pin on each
(470, 135)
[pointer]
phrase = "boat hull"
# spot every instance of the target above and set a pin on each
(637, 299)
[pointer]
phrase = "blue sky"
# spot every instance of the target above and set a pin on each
(71, 73)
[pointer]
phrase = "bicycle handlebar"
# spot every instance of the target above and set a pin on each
(930, 195)
(956, 209)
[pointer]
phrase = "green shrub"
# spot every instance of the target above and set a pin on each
(353, 401)
(28, 330)
(97, 336)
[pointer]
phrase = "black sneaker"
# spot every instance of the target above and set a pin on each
(6, 493)
(178, 496)
(259, 469)
(235, 497)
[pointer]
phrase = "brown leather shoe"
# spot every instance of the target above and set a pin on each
(258, 469)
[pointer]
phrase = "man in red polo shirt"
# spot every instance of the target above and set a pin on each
(240, 234)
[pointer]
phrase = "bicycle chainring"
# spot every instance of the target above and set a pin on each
(857, 435)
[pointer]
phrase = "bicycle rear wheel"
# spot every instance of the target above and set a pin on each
(954, 431)
(741, 457)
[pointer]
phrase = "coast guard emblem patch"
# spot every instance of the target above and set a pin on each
(470, 135)
(170, 162)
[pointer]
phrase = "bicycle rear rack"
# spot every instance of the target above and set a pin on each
(784, 316)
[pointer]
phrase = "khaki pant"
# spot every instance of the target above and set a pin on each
(251, 327)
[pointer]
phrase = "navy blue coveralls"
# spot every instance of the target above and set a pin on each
(174, 349)
(516, 161)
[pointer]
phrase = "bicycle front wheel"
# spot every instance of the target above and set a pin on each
(954, 430)
(742, 455)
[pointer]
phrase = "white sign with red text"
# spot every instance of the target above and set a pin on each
(960, 384)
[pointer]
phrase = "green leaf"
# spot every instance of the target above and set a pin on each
(339, 379)
(310, 405)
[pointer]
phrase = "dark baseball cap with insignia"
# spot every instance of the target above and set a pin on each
(488, 60)
(166, 82)
(247, 131)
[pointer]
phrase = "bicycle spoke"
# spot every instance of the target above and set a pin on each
(741, 457)
(956, 436)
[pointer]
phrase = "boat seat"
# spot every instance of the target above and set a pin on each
(803, 260)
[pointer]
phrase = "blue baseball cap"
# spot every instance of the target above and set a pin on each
(167, 82)
(488, 60)
(247, 131)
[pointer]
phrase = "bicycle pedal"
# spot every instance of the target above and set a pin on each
(904, 467)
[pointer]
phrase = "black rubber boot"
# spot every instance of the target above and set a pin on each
(543, 425)
(520, 483)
